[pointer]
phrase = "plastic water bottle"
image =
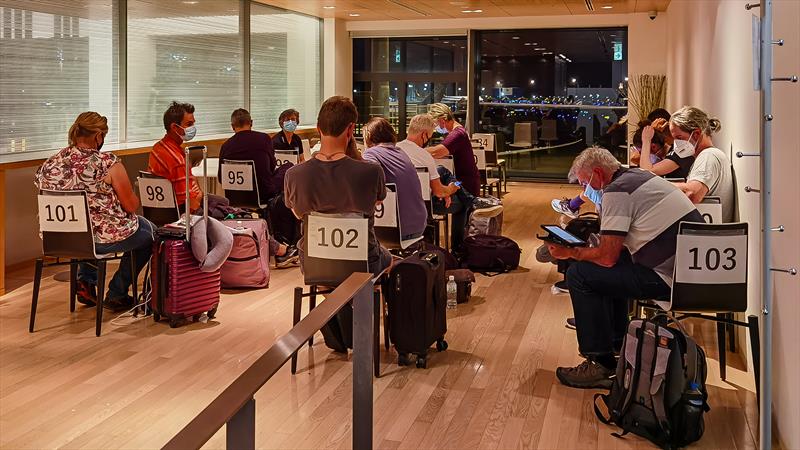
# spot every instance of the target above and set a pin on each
(451, 293)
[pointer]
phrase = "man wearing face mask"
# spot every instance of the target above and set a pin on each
(634, 259)
(167, 158)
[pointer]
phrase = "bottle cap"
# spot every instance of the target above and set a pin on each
(452, 278)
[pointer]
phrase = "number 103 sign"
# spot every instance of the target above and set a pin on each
(711, 259)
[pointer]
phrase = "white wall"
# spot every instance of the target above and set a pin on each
(710, 66)
(337, 64)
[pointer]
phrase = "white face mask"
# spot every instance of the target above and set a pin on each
(684, 148)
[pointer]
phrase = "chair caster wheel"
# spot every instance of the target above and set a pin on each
(441, 345)
(402, 359)
(422, 362)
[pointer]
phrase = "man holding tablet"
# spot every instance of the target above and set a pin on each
(635, 258)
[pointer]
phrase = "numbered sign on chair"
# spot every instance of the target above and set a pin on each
(486, 140)
(386, 211)
(286, 157)
(62, 213)
(237, 177)
(425, 184)
(480, 158)
(711, 209)
(704, 259)
(447, 163)
(337, 238)
(156, 193)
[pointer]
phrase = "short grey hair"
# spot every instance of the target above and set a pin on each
(420, 123)
(593, 157)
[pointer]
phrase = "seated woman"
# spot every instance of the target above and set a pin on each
(112, 207)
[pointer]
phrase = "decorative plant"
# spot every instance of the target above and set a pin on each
(646, 93)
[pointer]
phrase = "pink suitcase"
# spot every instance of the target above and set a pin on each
(248, 264)
(179, 288)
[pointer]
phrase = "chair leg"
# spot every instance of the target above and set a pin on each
(755, 344)
(134, 281)
(376, 324)
(101, 287)
(723, 365)
(73, 284)
(386, 342)
(312, 303)
(298, 301)
(37, 279)
(731, 329)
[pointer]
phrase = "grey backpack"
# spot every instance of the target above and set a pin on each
(659, 391)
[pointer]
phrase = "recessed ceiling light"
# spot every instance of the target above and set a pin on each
(528, 43)
(328, 7)
(468, 11)
(533, 81)
(498, 83)
(607, 7)
(354, 14)
(515, 37)
(540, 48)
(190, 3)
(547, 53)
(445, 42)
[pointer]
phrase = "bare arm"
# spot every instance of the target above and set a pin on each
(606, 255)
(118, 179)
(695, 190)
(441, 190)
(663, 167)
(438, 151)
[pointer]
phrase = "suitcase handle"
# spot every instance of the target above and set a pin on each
(188, 214)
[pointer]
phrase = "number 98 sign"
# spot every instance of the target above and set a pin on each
(711, 259)
(337, 238)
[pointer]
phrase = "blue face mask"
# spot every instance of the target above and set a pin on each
(595, 195)
(441, 130)
(290, 126)
(189, 133)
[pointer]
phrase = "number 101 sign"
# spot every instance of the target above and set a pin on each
(711, 259)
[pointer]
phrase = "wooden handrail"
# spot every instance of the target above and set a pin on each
(236, 396)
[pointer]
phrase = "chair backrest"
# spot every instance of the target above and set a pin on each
(286, 156)
(549, 132)
(65, 224)
(710, 268)
(447, 163)
(159, 204)
(480, 158)
(306, 149)
(711, 209)
(240, 185)
(523, 132)
(489, 143)
(387, 219)
(334, 247)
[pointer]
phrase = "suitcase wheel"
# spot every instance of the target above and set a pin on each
(403, 360)
(156, 316)
(174, 322)
(441, 345)
(211, 313)
(196, 318)
(422, 362)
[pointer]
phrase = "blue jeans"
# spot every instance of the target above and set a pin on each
(460, 208)
(139, 243)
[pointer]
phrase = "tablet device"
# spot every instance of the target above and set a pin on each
(560, 236)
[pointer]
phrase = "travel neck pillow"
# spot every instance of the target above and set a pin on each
(212, 244)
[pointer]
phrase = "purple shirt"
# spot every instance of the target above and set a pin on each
(458, 144)
(398, 169)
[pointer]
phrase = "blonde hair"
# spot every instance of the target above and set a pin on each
(87, 124)
(690, 118)
(420, 123)
(440, 111)
(593, 157)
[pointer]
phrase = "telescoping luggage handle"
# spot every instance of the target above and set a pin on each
(187, 214)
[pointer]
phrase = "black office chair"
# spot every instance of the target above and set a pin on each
(287, 157)
(159, 204)
(241, 186)
(334, 247)
(67, 233)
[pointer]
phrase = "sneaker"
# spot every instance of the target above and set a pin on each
(586, 375)
(543, 255)
(562, 207)
(289, 258)
(86, 293)
(561, 286)
(118, 304)
(571, 323)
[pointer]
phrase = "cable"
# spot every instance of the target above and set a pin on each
(143, 300)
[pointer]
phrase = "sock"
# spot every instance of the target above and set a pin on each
(607, 360)
(575, 203)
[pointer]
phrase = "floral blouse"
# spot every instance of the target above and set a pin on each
(75, 168)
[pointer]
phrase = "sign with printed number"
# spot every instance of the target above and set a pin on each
(386, 211)
(480, 158)
(425, 184)
(62, 213)
(156, 193)
(237, 177)
(337, 238)
(704, 259)
(711, 210)
(486, 140)
(447, 163)
(285, 157)
(306, 149)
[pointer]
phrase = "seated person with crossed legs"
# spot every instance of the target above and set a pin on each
(635, 258)
(247, 144)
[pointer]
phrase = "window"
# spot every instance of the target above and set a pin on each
(285, 62)
(53, 66)
(185, 52)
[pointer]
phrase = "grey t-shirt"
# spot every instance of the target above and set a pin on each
(713, 168)
(336, 187)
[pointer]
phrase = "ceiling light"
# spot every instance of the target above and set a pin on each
(445, 42)
(354, 14)
(328, 7)
(533, 81)
(190, 3)
(562, 55)
(528, 43)
(547, 53)
(540, 48)
(468, 11)
(498, 83)
(515, 37)
(607, 7)
(573, 80)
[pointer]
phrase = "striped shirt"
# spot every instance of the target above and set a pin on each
(646, 209)
(167, 160)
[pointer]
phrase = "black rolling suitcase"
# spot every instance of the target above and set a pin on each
(416, 296)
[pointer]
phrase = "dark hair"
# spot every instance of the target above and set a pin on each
(286, 115)
(658, 138)
(174, 114)
(241, 117)
(658, 113)
(378, 131)
(335, 115)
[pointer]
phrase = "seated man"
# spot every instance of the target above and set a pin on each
(255, 146)
(380, 139)
(635, 258)
(456, 143)
(334, 183)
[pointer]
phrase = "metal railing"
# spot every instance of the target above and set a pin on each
(235, 407)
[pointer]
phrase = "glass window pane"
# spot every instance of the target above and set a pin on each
(285, 65)
(57, 60)
(184, 52)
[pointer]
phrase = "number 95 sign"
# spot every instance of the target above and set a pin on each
(711, 259)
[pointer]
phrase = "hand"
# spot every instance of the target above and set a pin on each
(635, 157)
(453, 188)
(559, 252)
(660, 124)
(647, 134)
(447, 201)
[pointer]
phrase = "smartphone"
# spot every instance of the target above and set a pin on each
(457, 183)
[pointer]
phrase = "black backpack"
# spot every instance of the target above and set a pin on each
(659, 391)
(584, 225)
(490, 255)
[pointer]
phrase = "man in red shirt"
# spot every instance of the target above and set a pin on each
(167, 158)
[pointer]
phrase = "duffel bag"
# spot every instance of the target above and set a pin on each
(489, 254)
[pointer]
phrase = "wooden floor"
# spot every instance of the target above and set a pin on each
(140, 382)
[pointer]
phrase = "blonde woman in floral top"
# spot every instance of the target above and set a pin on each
(112, 206)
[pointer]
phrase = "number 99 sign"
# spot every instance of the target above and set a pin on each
(337, 238)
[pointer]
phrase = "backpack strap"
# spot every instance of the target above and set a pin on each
(657, 397)
(636, 369)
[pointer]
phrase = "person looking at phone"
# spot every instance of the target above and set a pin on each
(638, 232)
